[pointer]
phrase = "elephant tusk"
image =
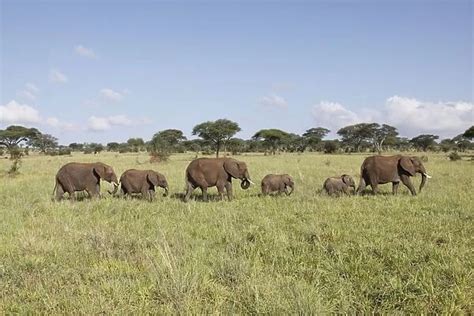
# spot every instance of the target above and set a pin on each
(251, 182)
(427, 175)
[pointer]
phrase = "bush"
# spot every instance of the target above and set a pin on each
(159, 156)
(88, 151)
(454, 156)
(330, 147)
(424, 158)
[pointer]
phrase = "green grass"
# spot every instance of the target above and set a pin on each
(307, 253)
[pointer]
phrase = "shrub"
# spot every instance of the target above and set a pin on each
(424, 158)
(159, 156)
(330, 147)
(454, 156)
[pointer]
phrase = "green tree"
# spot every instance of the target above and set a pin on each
(331, 146)
(424, 142)
(136, 143)
(358, 135)
(13, 136)
(462, 142)
(447, 145)
(217, 133)
(43, 142)
(113, 146)
(273, 139)
(236, 145)
(166, 142)
(469, 133)
(76, 147)
(314, 136)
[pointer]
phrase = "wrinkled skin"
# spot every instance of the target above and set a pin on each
(75, 177)
(339, 185)
(277, 183)
(377, 170)
(142, 181)
(209, 172)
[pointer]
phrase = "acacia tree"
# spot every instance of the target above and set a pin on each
(272, 139)
(217, 133)
(136, 143)
(424, 142)
(43, 142)
(380, 134)
(165, 142)
(314, 136)
(14, 135)
(469, 133)
(356, 135)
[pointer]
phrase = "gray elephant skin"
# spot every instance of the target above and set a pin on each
(339, 185)
(142, 181)
(277, 183)
(209, 172)
(75, 177)
(377, 170)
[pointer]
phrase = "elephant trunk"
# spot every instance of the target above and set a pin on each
(292, 189)
(166, 191)
(424, 176)
(116, 186)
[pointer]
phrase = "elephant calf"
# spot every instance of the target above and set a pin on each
(277, 183)
(142, 181)
(339, 185)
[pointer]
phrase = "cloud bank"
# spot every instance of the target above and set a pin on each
(409, 115)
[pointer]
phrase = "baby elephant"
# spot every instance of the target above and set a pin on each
(142, 181)
(277, 183)
(339, 185)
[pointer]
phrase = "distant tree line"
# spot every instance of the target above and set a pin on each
(217, 136)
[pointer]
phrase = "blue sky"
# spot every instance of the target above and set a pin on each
(106, 71)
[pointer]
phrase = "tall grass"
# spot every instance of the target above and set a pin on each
(307, 253)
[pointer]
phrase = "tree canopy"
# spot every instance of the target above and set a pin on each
(14, 135)
(217, 133)
(424, 141)
(469, 133)
(273, 139)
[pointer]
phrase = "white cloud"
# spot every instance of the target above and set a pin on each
(85, 52)
(111, 95)
(32, 87)
(415, 116)
(27, 95)
(56, 123)
(29, 92)
(273, 101)
(409, 115)
(15, 113)
(334, 115)
(57, 76)
(105, 123)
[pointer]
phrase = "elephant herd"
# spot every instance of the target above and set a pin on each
(204, 173)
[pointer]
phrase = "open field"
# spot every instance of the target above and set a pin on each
(306, 253)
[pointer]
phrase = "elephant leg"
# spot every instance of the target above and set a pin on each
(93, 191)
(146, 194)
(59, 192)
(228, 188)
(189, 191)
(221, 190)
(204, 194)
(362, 186)
(152, 194)
(395, 187)
(345, 189)
(375, 188)
(406, 181)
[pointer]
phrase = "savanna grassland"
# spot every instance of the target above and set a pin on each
(307, 253)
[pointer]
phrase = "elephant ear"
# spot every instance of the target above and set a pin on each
(346, 179)
(231, 166)
(100, 170)
(407, 165)
(153, 178)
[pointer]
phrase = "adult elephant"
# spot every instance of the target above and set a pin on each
(76, 176)
(377, 170)
(209, 172)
